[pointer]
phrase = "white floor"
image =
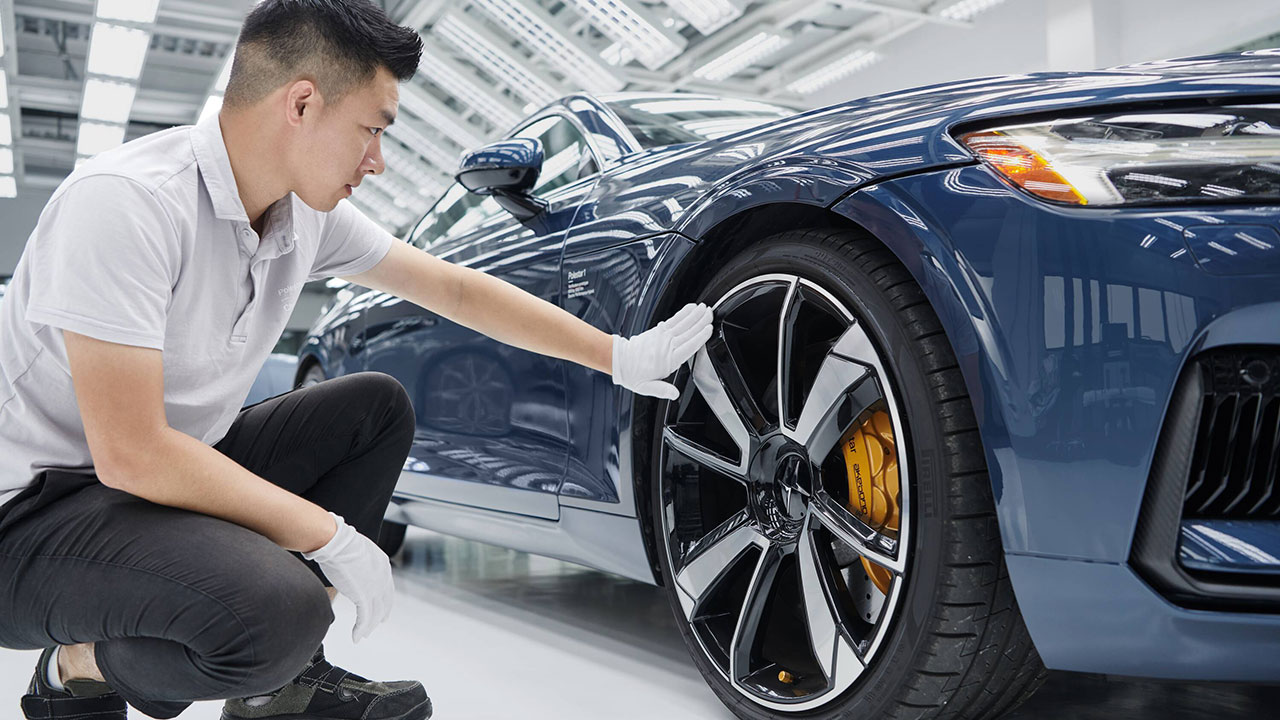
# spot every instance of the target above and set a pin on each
(495, 634)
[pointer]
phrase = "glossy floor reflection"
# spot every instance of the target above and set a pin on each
(496, 635)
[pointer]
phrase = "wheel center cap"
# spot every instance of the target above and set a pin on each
(781, 480)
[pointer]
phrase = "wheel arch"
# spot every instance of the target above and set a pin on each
(923, 254)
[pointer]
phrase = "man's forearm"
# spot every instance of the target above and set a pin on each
(510, 315)
(179, 471)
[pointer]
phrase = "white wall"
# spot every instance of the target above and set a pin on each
(1036, 35)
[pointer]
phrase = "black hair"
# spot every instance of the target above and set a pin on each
(337, 44)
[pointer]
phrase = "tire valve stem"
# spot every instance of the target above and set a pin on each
(785, 677)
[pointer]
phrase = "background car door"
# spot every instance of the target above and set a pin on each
(492, 428)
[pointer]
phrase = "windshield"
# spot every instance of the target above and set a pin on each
(660, 121)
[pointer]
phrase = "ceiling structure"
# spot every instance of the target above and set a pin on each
(80, 76)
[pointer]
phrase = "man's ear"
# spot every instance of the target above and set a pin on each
(301, 98)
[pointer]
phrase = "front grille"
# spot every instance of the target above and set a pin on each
(1234, 464)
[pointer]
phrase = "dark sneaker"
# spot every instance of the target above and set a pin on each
(325, 692)
(82, 700)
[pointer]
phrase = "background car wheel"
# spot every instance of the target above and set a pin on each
(826, 530)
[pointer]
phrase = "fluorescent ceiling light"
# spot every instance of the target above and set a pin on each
(491, 54)
(107, 100)
(847, 65)
(212, 105)
(743, 55)
(966, 9)
(439, 116)
(138, 11)
(445, 73)
(707, 15)
(617, 54)
(406, 132)
(6, 129)
(6, 161)
(652, 44)
(117, 51)
(8, 187)
(535, 28)
(4, 90)
(1, 39)
(96, 137)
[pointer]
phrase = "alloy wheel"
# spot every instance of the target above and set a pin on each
(784, 501)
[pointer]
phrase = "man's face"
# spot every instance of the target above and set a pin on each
(342, 143)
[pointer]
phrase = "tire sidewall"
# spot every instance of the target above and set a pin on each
(874, 694)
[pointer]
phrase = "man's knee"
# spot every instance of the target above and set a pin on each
(385, 393)
(286, 622)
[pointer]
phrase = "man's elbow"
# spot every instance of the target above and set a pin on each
(125, 466)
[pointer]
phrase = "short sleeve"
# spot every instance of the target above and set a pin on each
(104, 262)
(350, 243)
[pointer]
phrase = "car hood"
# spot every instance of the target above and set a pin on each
(911, 130)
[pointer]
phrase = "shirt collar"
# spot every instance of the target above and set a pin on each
(215, 169)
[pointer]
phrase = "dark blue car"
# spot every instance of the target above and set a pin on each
(994, 384)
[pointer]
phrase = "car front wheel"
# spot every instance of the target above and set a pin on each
(827, 534)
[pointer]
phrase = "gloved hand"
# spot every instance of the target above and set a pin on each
(641, 362)
(359, 569)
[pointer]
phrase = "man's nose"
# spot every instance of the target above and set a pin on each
(373, 162)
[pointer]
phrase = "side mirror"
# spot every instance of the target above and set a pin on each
(507, 170)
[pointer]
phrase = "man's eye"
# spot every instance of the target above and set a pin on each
(376, 131)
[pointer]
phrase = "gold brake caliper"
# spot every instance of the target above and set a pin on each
(871, 462)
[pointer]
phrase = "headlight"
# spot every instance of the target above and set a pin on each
(1230, 153)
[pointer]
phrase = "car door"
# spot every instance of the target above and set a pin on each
(492, 428)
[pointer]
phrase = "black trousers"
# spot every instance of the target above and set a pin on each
(184, 606)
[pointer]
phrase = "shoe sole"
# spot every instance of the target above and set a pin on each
(421, 711)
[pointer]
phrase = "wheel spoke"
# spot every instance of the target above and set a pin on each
(703, 456)
(815, 593)
(712, 556)
(785, 325)
(842, 390)
(860, 537)
(749, 622)
(722, 406)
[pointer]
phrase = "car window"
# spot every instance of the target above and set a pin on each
(566, 156)
(457, 212)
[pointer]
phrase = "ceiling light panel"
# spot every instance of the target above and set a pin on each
(6, 161)
(847, 65)
(107, 100)
(484, 48)
(6, 129)
(139, 11)
(465, 86)
(758, 46)
(707, 16)
(652, 44)
(97, 137)
(966, 9)
(405, 131)
(8, 187)
(439, 116)
(4, 89)
(535, 28)
(117, 51)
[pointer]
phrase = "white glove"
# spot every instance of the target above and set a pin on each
(640, 363)
(359, 569)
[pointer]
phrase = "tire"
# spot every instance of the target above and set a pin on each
(391, 534)
(391, 537)
(754, 497)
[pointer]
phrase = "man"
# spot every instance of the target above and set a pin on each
(152, 533)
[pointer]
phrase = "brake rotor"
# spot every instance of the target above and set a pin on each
(871, 463)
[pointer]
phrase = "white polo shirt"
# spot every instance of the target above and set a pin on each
(149, 245)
